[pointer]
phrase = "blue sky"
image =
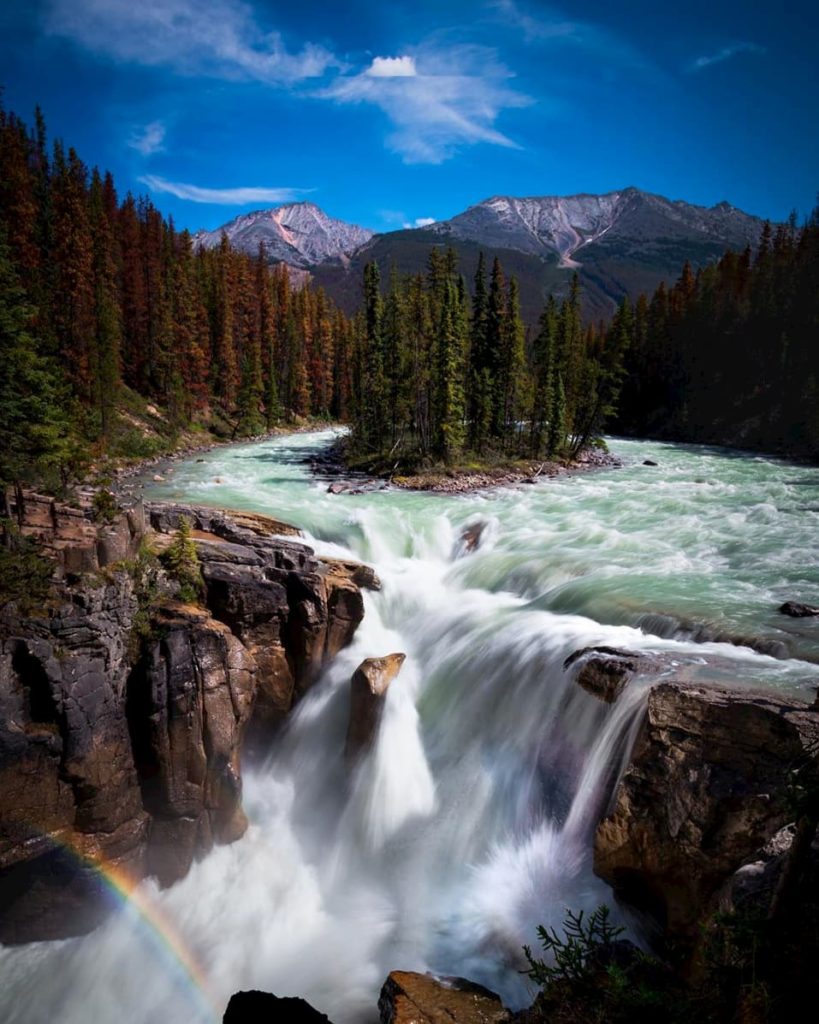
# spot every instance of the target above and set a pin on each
(388, 114)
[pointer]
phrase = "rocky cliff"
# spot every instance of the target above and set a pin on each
(123, 710)
(710, 800)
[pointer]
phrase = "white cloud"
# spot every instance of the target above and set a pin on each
(726, 53)
(420, 222)
(222, 196)
(453, 100)
(148, 139)
(392, 67)
(219, 38)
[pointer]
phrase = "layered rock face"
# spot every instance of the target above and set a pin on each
(121, 725)
(708, 789)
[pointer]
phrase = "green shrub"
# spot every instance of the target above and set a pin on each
(105, 506)
(591, 976)
(583, 937)
(182, 563)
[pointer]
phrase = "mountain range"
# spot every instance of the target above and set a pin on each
(620, 243)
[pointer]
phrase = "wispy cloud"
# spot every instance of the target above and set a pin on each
(438, 100)
(420, 222)
(148, 138)
(534, 26)
(222, 196)
(548, 25)
(218, 38)
(726, 53)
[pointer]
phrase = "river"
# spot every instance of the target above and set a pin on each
(471, 820)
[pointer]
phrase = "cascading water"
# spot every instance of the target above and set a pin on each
(470, 821)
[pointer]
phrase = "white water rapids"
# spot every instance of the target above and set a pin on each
(471, 820)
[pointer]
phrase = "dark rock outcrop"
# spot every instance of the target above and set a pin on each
(121, 722)
(604, 671)
(706, 792)
(796, 610)
(188, 701)
(410, 998)
(368, 692)
(263, 1008)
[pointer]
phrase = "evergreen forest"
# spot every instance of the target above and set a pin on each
(106, 311)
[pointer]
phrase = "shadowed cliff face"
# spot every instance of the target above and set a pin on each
(121, 725)
(709, 788)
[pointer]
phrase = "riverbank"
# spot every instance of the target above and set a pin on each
(124, 472)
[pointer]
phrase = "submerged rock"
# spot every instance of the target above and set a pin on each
(707, 787)
(410, 998)
(797, 610)
(470, 539)
(368, 692)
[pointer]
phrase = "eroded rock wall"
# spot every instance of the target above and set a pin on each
(122, 724)
(709, 786)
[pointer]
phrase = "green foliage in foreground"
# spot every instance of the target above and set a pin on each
(573, 952)
(591, 976)
(754, 966)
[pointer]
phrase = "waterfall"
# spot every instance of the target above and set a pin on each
(470, 821)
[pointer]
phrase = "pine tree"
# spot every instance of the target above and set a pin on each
(73, 278)
(479, 387)
(513, 366)
(496, 337)
(373, 384)
(34, 437)
(107, 316)
(449, 404)
(545, 382)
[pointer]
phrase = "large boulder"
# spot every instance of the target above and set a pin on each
(410, 998)
(368, 692)
(706, 789)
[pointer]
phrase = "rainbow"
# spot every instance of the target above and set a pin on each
(157, 927)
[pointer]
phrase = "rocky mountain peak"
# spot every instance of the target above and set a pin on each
(563, 225)
(300, 234)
